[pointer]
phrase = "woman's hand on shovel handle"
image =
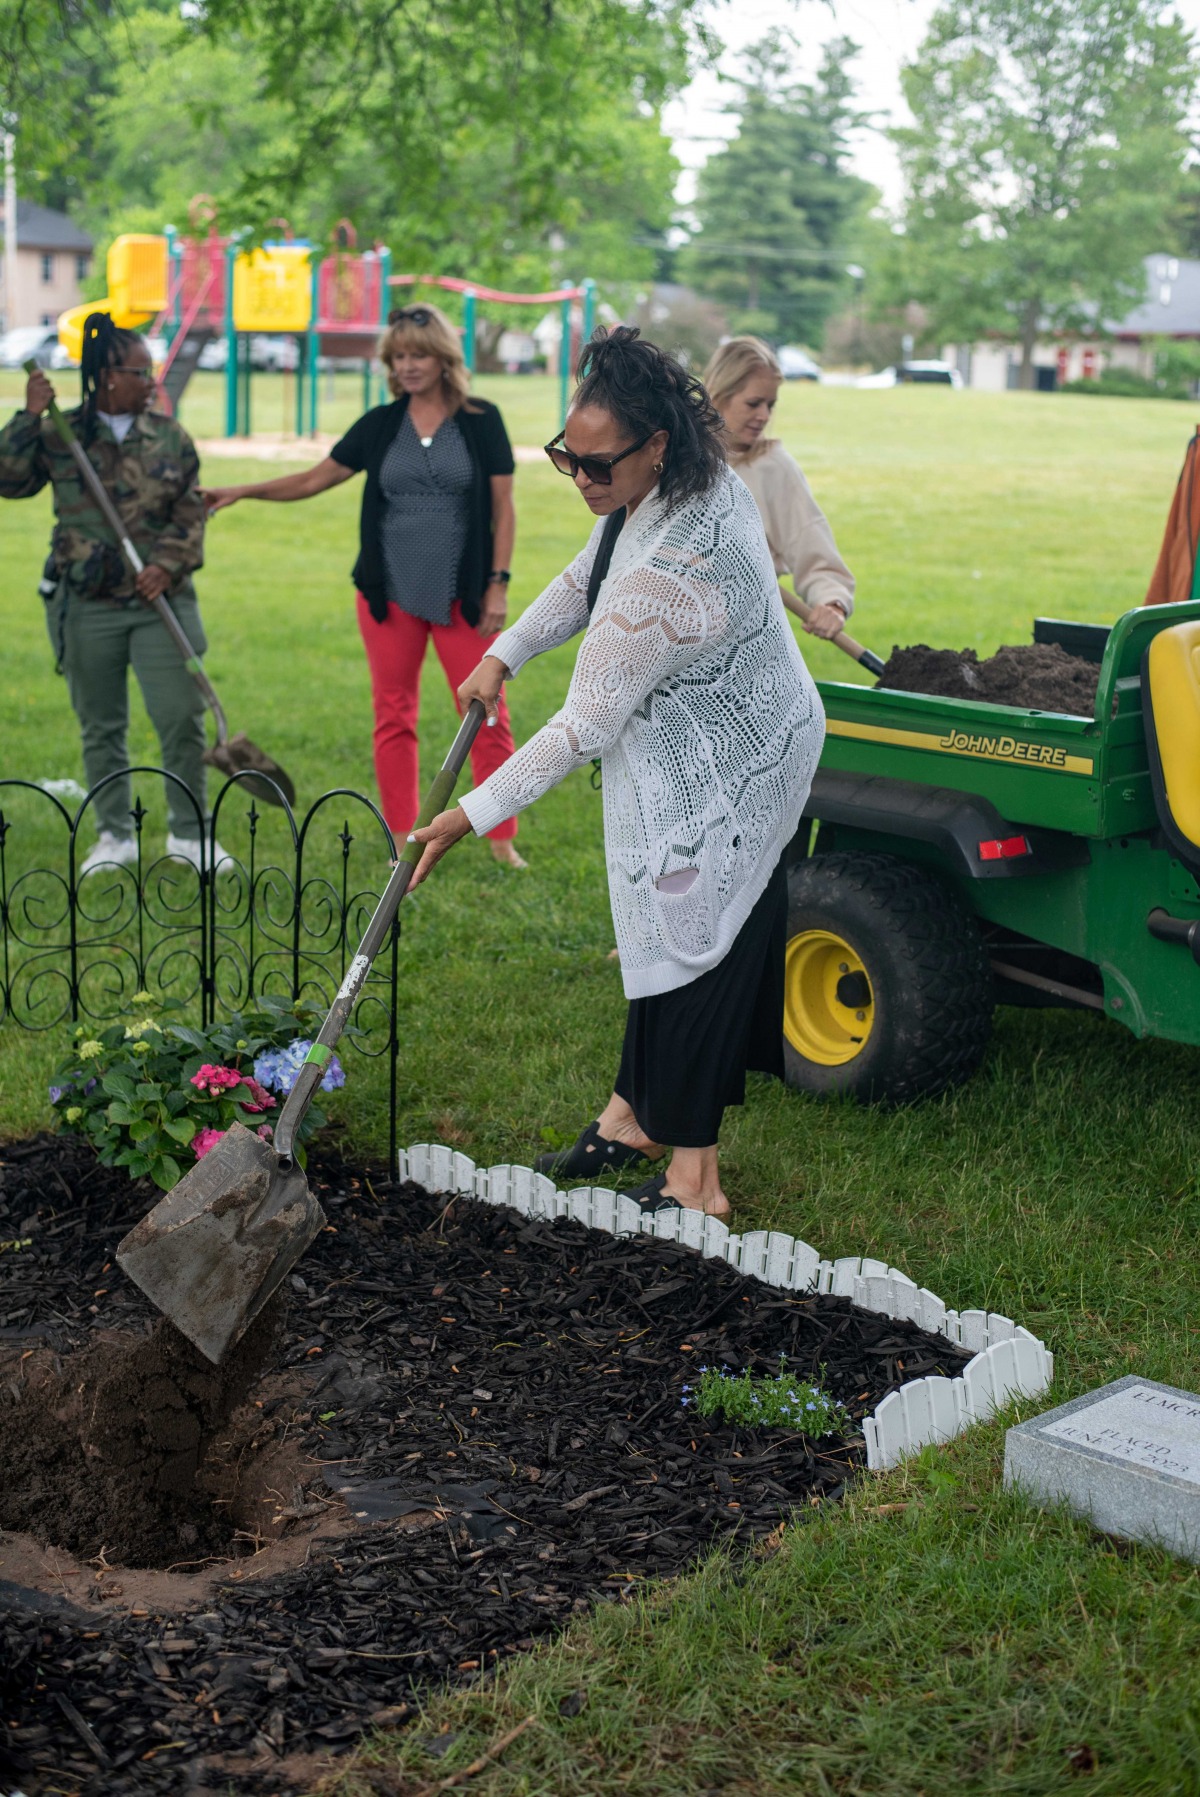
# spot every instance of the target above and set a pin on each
(484, 684)
(152, 582)
(825, 621)
(39, 394)
(446, 829)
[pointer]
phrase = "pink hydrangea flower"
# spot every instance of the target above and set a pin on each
(215, 1080)
(262, 1099)
(203, 1140)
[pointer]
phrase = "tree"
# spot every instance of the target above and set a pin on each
(1045, 161)
(517, 142)
(777, 210)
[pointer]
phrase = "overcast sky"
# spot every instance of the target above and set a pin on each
(888, 32)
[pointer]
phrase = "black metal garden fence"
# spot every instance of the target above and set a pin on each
(282, 914)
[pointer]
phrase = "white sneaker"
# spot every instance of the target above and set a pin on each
(187, 850)
(109, 851)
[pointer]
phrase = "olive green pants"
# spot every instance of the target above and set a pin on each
(100, 643)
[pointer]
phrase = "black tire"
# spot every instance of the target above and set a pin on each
(926, 1004)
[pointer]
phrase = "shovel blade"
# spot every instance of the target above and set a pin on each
(238, 755)
(213, 1250)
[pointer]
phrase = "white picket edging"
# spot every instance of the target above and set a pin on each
(1008, 1361)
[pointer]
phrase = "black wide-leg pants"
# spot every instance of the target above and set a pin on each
(687, 1052)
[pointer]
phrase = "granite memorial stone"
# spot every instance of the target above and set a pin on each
(1127, 1457)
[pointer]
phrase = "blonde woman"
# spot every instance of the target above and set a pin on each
(743, 381)
(435, 542)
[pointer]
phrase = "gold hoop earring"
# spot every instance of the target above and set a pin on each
(658, 467)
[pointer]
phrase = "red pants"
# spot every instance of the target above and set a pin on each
(395, 652)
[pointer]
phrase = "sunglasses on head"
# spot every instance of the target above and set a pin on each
(597, 468)
(418, 315)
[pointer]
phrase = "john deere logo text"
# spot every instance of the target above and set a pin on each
(1003, 748)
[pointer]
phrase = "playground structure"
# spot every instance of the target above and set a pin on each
(330, 305)
(196, 288)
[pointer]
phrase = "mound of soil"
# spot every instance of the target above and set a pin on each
(498, 1405)
(104, 1456)
(1034, 676)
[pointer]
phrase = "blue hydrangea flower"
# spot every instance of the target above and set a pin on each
(279, 1068)
(57, 1092)
(273, 1070)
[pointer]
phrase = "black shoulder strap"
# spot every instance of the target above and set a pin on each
(604, 555)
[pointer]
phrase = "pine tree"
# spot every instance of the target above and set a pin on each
(777, 210)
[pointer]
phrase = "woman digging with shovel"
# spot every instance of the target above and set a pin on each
(743, 381)
(100, 614)
(690, 688)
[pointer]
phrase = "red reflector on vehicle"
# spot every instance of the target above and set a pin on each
(1004, 848)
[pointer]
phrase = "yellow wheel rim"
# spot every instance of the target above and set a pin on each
(828, 1004)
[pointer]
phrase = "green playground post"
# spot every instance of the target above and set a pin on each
(174, 284)
(245, 428)
(564, 363)
(301, 373)
(589, 310)
(313, 355)
(469, 331)
(231, 345)
(385, 270)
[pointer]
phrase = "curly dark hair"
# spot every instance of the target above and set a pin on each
(645, 389)
(103, 344)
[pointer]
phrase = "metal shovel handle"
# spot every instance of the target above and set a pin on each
(313, 1070)
(112, 517)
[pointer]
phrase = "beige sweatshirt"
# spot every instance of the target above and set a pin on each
(798, 532)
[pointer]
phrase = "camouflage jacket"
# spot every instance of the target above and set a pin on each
(152, 478)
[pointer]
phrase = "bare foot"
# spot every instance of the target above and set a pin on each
(506, 854)
(617, 1123)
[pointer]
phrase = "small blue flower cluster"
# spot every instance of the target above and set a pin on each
(76, 1085)
(279, 1068)
(779, 1402)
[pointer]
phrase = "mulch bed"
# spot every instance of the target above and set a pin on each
(1036, 676)
(496, 1401)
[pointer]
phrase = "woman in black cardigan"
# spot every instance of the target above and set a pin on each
(435, 541)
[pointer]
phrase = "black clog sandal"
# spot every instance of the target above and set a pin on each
(650, 1198)
(589, 1155)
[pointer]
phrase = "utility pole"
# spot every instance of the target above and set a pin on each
(10, 226)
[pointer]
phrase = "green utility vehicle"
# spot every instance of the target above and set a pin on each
(969, 854)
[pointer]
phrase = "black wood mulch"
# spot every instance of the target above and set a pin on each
(524, 1379)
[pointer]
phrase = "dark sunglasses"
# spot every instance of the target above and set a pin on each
(597, 468)
(418, 315)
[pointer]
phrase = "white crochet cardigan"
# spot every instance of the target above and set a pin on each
(690, 687)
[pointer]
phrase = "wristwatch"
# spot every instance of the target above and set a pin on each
(499, 574)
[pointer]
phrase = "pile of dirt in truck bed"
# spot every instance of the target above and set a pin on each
(1034, 676)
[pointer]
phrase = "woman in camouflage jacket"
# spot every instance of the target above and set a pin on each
(100, 617)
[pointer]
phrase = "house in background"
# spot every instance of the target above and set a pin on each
(1171, 308)
(54, 258)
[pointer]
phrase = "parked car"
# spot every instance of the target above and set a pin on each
(36, 342)
(797, 364)
(269, 354)
(935, 374)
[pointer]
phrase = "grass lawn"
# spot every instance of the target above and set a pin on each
(931, 1635)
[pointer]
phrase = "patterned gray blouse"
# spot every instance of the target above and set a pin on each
(425, 486)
